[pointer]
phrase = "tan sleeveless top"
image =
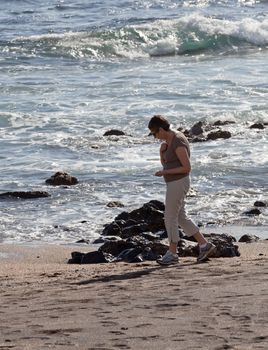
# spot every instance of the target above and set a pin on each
(171, 159)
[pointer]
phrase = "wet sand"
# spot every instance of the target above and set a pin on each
(48, 304)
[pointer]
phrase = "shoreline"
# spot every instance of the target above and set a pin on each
(49, 304)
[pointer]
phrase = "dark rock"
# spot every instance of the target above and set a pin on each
(254, 211)
(157, 205)
(187, 248)
(197, 129)
(114, 132)
(112, 229)
(106, 239)
(76, 258)
(148, 254)
(82, 241)
(61, 178)
(260, 204)
(257, 126)
(134, 230)
(115, 204)
(99, 240)
(223, 122)
(198, 139)
(219, 134)
(248, 238)
(25, 195)
(130, 255)
(128, 223)
(96, 257)
(158, 248)
(122, 216)
(185, 132)
(150, 236)
(224, 244)
(116, 247)
(150, 217)
(149, 214)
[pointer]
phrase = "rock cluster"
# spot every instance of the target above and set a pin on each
(140, 235)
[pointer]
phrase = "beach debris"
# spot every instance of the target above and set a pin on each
(140, 235)
(25, 195)
(61, 178)
(248, 238)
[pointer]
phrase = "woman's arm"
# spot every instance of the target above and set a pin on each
(185, 167)
(163, 149)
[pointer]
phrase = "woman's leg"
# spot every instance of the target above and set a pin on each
(174, 200)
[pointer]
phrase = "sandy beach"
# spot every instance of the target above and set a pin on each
(48, 304)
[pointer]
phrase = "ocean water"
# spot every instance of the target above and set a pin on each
(71, 70)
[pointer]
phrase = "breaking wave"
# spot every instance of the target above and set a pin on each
(187, 35)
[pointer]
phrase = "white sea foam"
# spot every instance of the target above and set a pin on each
(158, 38)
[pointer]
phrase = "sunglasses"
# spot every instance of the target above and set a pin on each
(154, 133)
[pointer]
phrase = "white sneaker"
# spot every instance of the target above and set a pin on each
(168, 259)
(206, 252)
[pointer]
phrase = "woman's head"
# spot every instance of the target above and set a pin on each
(157, 122)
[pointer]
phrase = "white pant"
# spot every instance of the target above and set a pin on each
(175, 214)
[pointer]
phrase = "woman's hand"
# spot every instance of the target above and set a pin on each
(159, 173)
(163, 147)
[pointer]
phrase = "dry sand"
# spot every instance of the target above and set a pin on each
(48, 304)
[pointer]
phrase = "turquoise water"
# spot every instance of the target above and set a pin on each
(69, 71)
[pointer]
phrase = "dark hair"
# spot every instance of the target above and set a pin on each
(158, 121)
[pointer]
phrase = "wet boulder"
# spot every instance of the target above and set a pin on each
(114, 132)
(224, 244)
(259, 126)
(223, 122)
(115, 204)
(112, 229)
(219, 134)
(197, 129)
(260, 204)
(95, 257)
(254, 211)
(248, 238)
(25, 195)
(60, 178)
(116, 247)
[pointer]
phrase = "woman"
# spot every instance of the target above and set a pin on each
(175, 159)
